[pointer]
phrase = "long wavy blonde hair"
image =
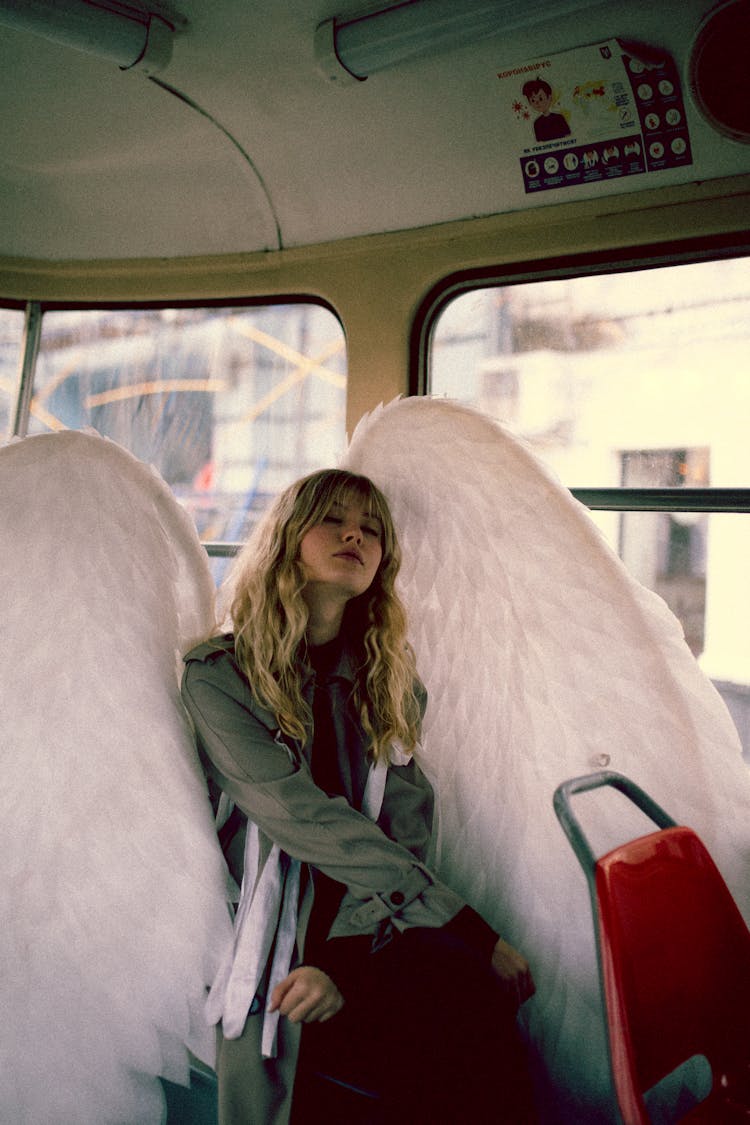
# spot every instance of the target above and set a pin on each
(269, 615)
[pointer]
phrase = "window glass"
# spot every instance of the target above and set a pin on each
(638, 380)
(698, 563)
(11, 338)
(588, 368)
(229, 404)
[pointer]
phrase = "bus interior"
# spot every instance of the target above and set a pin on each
(229, 230)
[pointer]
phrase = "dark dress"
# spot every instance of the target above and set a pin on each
(426, 1029)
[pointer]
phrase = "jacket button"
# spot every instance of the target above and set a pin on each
(397, 898)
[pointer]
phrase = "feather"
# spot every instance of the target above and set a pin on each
(540, 655)
(543, 660)
(114, 915)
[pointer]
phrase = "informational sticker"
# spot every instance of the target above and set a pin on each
(595, 113)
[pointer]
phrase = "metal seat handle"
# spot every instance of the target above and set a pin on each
(571, 824)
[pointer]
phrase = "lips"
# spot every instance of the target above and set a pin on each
(352, 554)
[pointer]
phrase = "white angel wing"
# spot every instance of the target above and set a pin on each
(113, 914)
(540, 654)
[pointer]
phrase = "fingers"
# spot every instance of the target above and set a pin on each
(525, 987)
(519, 989)
(307, 995)
(513, 971)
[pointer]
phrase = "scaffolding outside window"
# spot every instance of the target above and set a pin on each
(230, 404)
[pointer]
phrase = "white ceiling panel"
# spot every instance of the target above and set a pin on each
(241, 145)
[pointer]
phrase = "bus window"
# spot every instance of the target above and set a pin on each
(230, 404)
(634, 380)
(586, 368)
(11, 334)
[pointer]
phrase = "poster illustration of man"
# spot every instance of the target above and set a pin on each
(549, 125)
(602, 111)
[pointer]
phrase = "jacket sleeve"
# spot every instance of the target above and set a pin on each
(407, 816)
(408, 807)
(275, 789)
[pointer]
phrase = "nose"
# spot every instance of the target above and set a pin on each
(352, 533)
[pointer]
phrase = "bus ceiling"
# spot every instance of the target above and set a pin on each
(194, 129)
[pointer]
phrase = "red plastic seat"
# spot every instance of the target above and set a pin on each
(674, 959)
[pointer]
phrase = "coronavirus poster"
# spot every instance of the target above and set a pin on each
(595, 113)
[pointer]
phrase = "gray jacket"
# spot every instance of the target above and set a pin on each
(380, 863)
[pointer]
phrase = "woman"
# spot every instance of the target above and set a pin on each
(307, 717)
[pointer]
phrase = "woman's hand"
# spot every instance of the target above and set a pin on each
(307, 995)
(513, 971)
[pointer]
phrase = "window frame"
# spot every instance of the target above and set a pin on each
(626, 260)
(34, 311)
(34, 318)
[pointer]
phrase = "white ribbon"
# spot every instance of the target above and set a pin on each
(267, 909)
(282, 954)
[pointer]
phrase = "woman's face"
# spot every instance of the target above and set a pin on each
(343, 552)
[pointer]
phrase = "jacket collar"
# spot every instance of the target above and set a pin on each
(344, 668)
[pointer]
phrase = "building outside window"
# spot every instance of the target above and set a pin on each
(631, 380)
